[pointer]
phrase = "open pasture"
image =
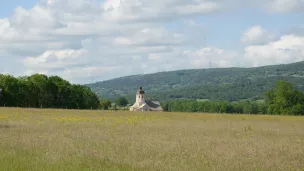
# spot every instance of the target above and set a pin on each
(35, 140)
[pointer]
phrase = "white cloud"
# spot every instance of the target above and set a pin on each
(56, 59)
(147, 10)
(257, 35)
(112, 4)
(7, 33)
(150, 37)
(283, 6)
(37, 17)
(83, 74)
(270, 6)
(218, 57)
(50, 2)
(107, 54)
(288, 49)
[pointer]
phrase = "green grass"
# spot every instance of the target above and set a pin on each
(34, 139)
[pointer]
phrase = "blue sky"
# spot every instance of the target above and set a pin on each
(7, 7)
(81, 39)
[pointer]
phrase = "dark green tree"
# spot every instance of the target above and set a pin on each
(122, 102)
(39, 90)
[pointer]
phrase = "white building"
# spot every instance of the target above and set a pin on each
(142, 105)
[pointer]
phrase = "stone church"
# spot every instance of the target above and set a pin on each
(142, 105)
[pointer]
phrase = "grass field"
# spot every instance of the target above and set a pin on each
(36, 140)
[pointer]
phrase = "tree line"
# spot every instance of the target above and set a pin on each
(281, 100)
(41, 91)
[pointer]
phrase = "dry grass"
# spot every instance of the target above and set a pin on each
(33, 139)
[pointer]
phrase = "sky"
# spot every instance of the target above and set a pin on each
(87, 41)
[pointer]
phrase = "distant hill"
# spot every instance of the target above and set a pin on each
(230, 84)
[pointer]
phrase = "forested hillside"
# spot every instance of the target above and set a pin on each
(229, 84)
(46, 92)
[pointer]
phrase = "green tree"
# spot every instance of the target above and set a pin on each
(105, 104)
(122, 102)
(297, 109)
(283, 99)
(42, 91)
(0, 94)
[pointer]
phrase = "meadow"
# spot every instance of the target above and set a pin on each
(51, 139)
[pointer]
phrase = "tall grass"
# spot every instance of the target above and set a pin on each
(34, 139)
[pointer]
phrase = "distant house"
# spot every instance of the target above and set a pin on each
(142, 105)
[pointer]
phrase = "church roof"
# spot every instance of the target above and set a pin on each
(140, 91)
(152, 104)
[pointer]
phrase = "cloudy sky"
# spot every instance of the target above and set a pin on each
(93, 40)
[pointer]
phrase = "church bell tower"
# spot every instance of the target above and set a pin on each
(140, 96)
